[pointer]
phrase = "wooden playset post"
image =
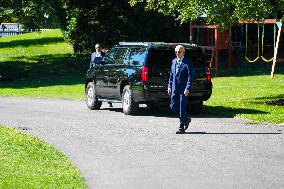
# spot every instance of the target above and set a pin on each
(216, 56)
(279, 24)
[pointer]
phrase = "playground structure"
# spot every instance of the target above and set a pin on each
(213, 41)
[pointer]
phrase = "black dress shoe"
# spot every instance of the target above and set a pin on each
(180, 131)
(187, 123)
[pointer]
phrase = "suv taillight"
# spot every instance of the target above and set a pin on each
(208, 74)
(144, 74)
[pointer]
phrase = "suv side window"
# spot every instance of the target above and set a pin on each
(137, 56)
(121, 55)
(109, 58)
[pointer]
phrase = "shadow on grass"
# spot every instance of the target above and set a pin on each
(31, 42)
(71, 79)
(271, 97)
(220, 111)
(277, 100)
(42, 71)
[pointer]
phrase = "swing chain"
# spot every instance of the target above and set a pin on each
(246, 57)
(262, 41)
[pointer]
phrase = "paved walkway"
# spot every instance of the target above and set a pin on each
(117, 151)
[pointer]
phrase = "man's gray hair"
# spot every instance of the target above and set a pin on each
(178, 47)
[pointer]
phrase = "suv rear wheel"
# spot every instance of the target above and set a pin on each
(128, 105)
(91, 98)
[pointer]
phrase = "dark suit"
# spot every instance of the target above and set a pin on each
(178, 83)
(97, 59)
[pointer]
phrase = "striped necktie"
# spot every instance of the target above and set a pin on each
(178, 65)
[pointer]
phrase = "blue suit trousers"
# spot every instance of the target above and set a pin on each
(179, 103)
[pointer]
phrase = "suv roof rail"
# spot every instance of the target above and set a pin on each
(157, 44)
(135, 43)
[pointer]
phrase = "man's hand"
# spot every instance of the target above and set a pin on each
(186, 92)
(169, 91)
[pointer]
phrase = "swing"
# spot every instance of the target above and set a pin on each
(246, 49)
(262, 41)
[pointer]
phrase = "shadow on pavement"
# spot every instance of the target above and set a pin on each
(210, 133)
(209, 112)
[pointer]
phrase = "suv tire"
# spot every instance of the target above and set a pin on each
(91, 98)
(128, 105)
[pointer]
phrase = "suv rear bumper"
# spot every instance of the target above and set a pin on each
(148, 96)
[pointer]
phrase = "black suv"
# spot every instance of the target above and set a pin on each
(138, 72)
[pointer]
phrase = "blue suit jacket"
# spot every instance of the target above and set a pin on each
(183, 79)
(97, 60)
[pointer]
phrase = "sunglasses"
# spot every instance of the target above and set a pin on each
(178, 52)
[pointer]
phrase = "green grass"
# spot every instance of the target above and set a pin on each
(27, 162)
(68, 87)
(40, 65)
(250, 94)
(36, 55)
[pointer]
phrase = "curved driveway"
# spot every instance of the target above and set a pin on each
(117, 151)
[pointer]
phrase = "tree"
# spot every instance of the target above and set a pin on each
(111, 21)
(6, 11)
(34, 14)
(224, 13)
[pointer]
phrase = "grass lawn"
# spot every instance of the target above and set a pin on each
(27, 162)
(251, 94)
(69, 87)
(42, 66)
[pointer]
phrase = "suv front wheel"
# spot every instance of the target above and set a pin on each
(91, 98)
(128, 105)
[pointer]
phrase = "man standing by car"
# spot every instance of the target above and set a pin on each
(97, 56)
(179, 87)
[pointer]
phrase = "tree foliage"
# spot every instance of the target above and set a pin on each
(34, 14)
(87, 22)
(6, 11)
(111, 21)
(224, 13)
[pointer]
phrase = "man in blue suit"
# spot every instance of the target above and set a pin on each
(179, 87)
(98, 56)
